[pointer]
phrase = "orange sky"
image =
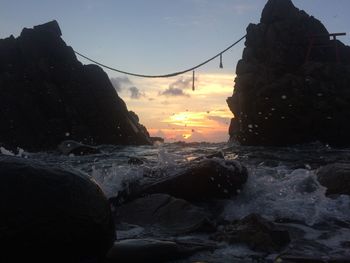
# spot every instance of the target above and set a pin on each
(170, 109)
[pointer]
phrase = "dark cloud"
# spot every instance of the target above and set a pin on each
(135, 93)
(120, 82)
(174, 92)
(176, 88)
(219, 119)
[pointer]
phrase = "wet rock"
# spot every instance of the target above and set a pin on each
(76, 148)
(164, 213)
(50, 211)
(256, 232)
(336, 177)
(48, 96)
(202, 180)
(281, 96)
(152, 250)
(309, 251)
(135, 161)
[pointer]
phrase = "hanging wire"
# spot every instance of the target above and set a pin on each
(165, 75)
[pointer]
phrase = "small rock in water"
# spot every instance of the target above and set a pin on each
(135, 161)
(76, 148)
(336, 177)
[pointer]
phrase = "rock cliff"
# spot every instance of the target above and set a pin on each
(286, 93)
(48, 96)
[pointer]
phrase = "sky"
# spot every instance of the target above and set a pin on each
(159, 37)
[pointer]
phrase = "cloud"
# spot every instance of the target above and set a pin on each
(135, 93)
(120, 82)
(174, 92)
(219, 119)
(181, 83)
(176, 88)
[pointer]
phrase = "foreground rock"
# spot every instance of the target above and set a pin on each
(281, 95)
(256, 232)
(163, 213)
(48, 96)
(336, 177)
(51, 212)
(202, 180)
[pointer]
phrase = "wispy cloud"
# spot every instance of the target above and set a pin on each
(135, 93)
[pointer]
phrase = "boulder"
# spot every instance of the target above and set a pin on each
(201, 180)
(254, 231)
(336, 177)
(48, 96)
(51, 214)
(163, 213)
(284, 94)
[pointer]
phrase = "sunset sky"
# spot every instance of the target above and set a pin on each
(160, 37)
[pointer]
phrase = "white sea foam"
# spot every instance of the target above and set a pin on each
(282, 193)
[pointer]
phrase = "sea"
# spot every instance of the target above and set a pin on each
(282, 187)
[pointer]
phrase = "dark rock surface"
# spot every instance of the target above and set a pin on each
(202, 180)
(163, 212)
(48, 96)
(51, 212)
(281, 97)
(336, 177)
(256, 232)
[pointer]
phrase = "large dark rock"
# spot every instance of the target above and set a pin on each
(336, 177)
(281, 95)
(48, 96)
(202, 180)
(50, 214)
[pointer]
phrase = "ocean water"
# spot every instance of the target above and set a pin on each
(281, 187)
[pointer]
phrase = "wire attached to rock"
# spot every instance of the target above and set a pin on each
(165, 75)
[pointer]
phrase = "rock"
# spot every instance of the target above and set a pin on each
(163, 212)
(76, 148)
(281, 97)
(152, 250)
(202, 180)
(52, 212)
(256, 232)
(336, 177)
(310, 251)
(135, 161)
(48, 96)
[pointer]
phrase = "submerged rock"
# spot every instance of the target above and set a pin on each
(202, 180)
(336, 177)
(51, 212)
(48, 96)
(256, 232)
(163, 212)
(282, 95)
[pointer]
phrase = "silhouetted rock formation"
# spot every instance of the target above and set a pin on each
(48, 96)
(281, 95)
